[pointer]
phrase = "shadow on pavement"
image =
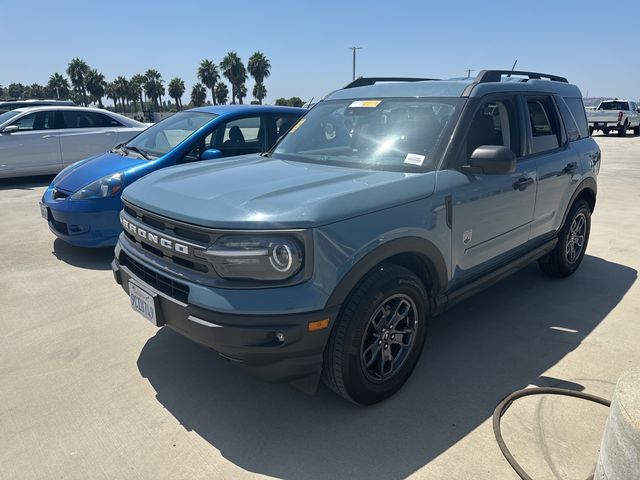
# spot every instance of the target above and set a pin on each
(25, 183)
(476, 353)
(90, 258)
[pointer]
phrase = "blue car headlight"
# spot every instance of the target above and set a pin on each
(107, 186)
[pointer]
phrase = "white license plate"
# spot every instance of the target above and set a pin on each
(44, 212)
(143, 303)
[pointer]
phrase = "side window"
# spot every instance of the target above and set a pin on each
(544, 125)
(81, 119)
(36, 121)
(495, 123)
(245, 135)
(284, 123)
(579, 115)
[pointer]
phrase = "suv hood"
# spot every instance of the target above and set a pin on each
(86, 171)
(253, 192)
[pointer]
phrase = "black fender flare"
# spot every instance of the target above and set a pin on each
(426, 250)
(588, 183)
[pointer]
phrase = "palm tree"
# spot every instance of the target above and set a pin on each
(34, 91)
(135, 84)
(198, 95)
(242, 93)
(95, 86)
(259, 92)
(77, 71)
(208, 75)
(15, 90)
(111, 92)
(222, 93)
(259, 68)
(233, 69)
(121, 85)
(58, 86)
(176, 90)
(154, 87)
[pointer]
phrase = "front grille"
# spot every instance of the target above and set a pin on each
(160, 282)
(197, 237)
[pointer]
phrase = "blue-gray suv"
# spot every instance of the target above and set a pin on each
(388, 201)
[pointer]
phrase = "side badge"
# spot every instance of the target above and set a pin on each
(466, 236)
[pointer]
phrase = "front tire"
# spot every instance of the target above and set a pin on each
(568, 253)
(378, 337)
(622, 131)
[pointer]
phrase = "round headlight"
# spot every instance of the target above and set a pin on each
(281, 257)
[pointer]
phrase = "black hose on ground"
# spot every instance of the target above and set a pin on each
(504, 405)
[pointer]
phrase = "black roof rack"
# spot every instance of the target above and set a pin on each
(486, 76)
(364, 81)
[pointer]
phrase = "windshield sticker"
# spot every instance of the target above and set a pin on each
(297, 125)
(365, 104)
(414, 159)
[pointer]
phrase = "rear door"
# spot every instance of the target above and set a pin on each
(492, 213)
(34, 149)
(555, 157)
(84, 134)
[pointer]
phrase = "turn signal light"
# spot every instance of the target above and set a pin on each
(318, 325)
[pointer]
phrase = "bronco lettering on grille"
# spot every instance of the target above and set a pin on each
(154, 238)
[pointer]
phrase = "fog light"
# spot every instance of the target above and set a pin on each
(280, 337)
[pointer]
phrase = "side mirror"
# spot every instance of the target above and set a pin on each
(492, 159)
(10, 129)
(210, 154)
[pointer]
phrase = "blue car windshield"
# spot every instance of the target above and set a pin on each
(162, 137)
(391, 133)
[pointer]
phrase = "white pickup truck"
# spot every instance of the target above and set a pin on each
(619, 115)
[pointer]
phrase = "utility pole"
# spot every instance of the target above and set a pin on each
(354, 59)
(469, 70)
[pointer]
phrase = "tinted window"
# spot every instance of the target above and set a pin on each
(36, 121)
(495, 123)
(544, 125)
(284, 123)
(579, 115)
(81, 119)
(614, 106)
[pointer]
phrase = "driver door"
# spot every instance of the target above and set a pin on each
(492, 213)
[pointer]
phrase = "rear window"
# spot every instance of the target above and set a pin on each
(614, 106)
(579, 115)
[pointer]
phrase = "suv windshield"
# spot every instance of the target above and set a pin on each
(394, 133)
(7, 115)
(162, 137)
(614, 106)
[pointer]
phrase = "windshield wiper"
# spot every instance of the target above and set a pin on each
(137, 150)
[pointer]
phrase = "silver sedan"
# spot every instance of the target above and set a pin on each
(44, 140)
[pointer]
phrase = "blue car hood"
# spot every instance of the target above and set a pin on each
(254, 192)
(86, 171)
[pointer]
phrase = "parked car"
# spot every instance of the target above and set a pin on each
(43, 140)
(383, 205)
(618, 115)
(82, 203)
(13, 104)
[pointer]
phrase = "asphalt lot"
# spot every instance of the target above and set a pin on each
(90, 390)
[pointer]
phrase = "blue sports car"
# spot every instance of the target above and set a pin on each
(82, 203)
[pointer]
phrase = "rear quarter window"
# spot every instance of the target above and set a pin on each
(579, 115)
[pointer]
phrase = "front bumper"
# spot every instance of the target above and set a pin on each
(248, 340)
(84, 223)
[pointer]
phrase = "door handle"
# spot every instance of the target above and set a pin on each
(523, 183)
(570, 168)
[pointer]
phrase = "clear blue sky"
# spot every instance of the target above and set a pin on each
(594, 44)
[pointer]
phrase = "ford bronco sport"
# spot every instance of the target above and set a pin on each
(388, 201)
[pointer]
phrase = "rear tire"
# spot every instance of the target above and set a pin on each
(568, 253)
(378, 337)
(606, 131)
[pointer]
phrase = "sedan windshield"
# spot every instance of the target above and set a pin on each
(395, 133)
(162, 137)
(7, 115)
